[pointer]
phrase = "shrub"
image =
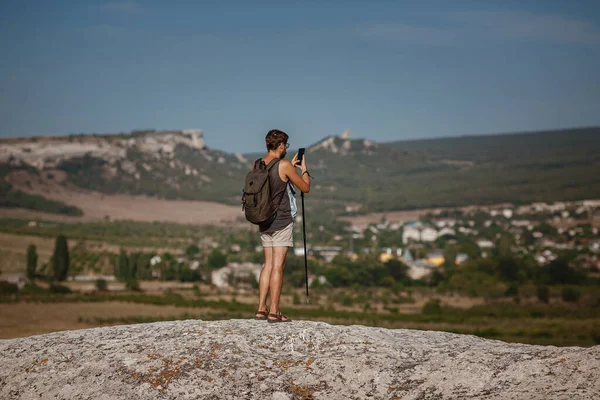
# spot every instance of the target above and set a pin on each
(512, 290)
(7, 288)
(32, 288)
(347, 300)
(595, 336)
(60, 289)
(296, 299)
(133, 285)
(543, 294)
(494, 291)
(487, 332)
(101, 285)
(571, 294)
(433, 306)
(537, 314)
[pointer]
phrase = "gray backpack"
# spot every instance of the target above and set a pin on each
(256, 198)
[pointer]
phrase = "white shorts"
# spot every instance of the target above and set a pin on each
(282, 238)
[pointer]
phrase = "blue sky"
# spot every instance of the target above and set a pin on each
(386, 70)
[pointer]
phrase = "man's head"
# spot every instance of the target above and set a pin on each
(277, 141)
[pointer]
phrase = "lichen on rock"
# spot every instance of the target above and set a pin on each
(247, 359)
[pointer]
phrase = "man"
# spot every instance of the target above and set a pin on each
(277, 236)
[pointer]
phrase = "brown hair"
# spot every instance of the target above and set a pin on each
(274, 138)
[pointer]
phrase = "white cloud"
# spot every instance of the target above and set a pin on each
(526, 26)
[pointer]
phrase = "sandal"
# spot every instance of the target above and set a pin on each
(261, 315)
(279, 317)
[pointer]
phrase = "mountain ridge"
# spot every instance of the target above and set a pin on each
(444, 172)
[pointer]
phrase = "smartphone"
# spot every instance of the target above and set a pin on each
(301, 154)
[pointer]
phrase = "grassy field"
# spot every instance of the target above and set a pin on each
(557, 323)
(524, 319)
(13, 249)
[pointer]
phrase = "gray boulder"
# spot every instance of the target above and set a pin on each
(247, 359)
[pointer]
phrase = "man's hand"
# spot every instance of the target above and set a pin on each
(300, 181)
(297, 164)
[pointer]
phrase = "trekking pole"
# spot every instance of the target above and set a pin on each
(304, 237)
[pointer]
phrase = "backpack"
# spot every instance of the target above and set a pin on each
(256, 197)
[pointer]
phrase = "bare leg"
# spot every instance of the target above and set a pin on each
(276, 281)
(263, 282)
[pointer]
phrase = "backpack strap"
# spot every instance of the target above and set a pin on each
(259, 162)
(272, 163)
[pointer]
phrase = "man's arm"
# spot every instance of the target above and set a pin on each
(302, 180)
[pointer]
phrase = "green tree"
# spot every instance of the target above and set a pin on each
(559, 272)
(450, 257)
(216, 259)
(547, 229)
(543, 293)
(508, 268)
(505, 245)
(32, 259)
(192, 250)
(60, 259)
(570, 294)
(436, 277)
(133, 266)
(469, 247)
(397, 270)
(123, 266)
(101, 285)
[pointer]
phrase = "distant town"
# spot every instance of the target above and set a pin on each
(541, 230)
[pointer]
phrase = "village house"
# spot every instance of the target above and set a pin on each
(395, 226)
(236, 272)
(446, 232)
(435, 258)
(522, 223)
(327, 252)
(411, 232)
(485, 244)
(446, 222)
(420, 269)
(429, 234)
(389, 253)
(468, 231)
(461, 258)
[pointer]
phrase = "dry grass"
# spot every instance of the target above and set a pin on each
(97, 206)
(26, 319)
(409, 215)
(13, 249)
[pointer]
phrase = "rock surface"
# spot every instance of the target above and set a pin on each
(247, 359)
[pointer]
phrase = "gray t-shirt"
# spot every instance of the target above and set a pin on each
(280, 195)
